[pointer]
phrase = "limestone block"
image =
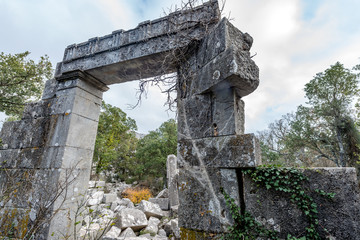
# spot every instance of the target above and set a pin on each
(49, 89)
(162, 233)
(127, 203)
(119, 208)
(132, 218)
(37, 109)
(172, 173)
(27, 133)
(78, 101)
(74, 157)
(162, 202)
(23, 158)
(225, 152)
(150, 209)
(29, 184)
(152, 226)
(114, 232)
(109, 198)
(96, 198)
(209, 115)
(100, 184)
(223, 60)
(195, 117)
(163, 193)
(127, 233)
(82, 81)
(200, 192)
(172, 228)
(91, 184)
(82, 132)
(340, 216)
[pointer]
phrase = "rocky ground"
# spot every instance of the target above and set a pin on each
(105, 215)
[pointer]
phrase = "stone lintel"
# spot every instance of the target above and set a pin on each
(145, 47)
(233, 151)
(78, 74)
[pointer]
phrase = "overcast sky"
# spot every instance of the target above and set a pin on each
(293, 40)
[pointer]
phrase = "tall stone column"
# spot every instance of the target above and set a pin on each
(212, 143)
(50, 152)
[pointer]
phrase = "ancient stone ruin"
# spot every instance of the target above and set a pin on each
(46, 157)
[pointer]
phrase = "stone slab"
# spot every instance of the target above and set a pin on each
(213, 114)
(234, 151)
(162, 202)
(200, 193)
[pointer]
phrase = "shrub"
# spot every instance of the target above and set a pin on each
(137, 194)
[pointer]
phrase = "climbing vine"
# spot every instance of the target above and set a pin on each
(282, 180)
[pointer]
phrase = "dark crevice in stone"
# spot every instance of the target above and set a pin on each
(240, 180)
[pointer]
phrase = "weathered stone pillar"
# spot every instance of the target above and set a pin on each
(172, 180)
(50, 152)
(212, 144)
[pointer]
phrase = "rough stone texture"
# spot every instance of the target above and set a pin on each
(152, 226)
(212, 144)
(114, 232)
(47, 155)
(127, 233)
(172, 173)
(172, 227)
(223, 152)
(131, 218)
(96, 198)
(109, 198)
(340, 216)
(49, 151)
(117, 57)
(163, 203)
(150, 209)
(163, 193)
(200, 192)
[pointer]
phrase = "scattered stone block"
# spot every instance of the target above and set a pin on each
(163, 203)
(113, 233)
(131, 218)
(152, 226)
(109, 198)
(162, 233)
(127, 233)
(163, 194)
(127, 203)
(96, 198)
(150, 209)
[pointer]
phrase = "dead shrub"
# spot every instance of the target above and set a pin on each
(137, 194)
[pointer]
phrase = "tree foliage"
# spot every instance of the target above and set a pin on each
(115, 143)
(21, 81)
(153, 149)
(324, 129)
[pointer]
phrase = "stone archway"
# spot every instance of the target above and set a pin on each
(53, 143)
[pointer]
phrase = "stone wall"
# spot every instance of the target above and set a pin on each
(46, 159)
(340, 215)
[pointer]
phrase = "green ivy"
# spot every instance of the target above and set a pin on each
(281, 180)
(245, 226)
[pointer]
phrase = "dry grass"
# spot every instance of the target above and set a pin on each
(137, 194)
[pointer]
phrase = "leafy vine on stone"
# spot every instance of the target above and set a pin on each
(286, 180)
